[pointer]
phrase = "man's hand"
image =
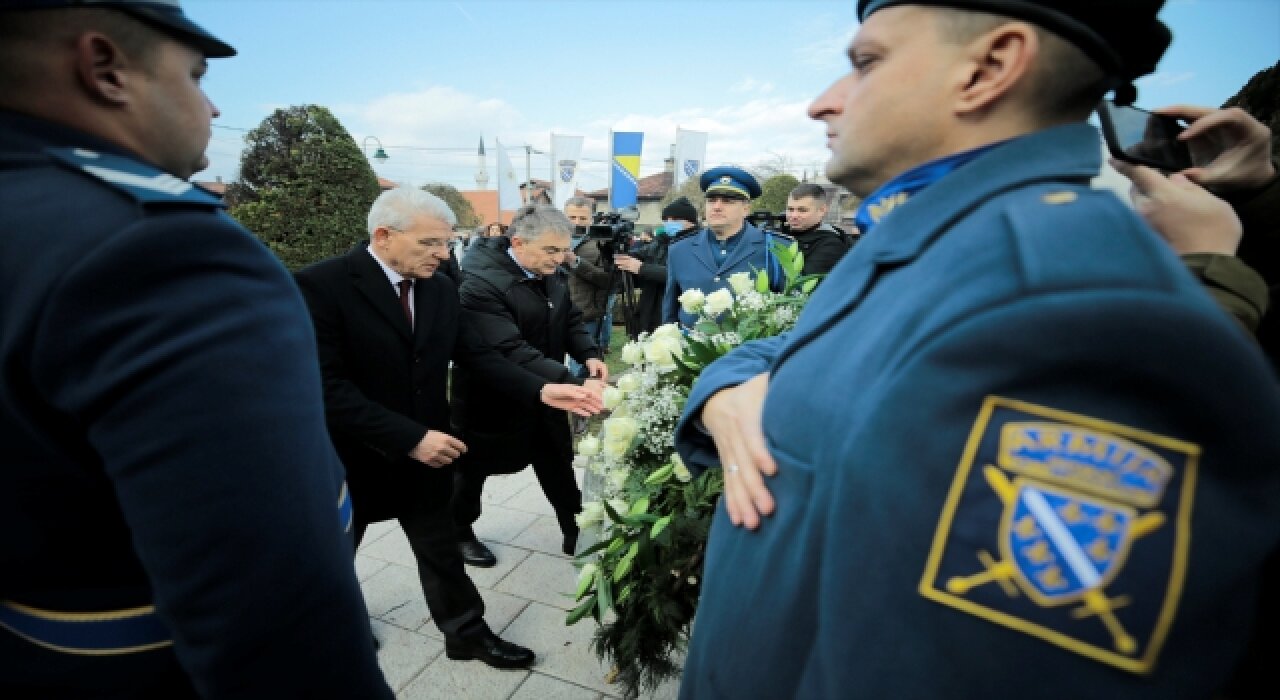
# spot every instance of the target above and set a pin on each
(438, 449)
(596, 386)
(570, 258)
(597, 369)
(734, 417)
(580, 400)
(1232, 148)
(627, 263)
(1185, 214)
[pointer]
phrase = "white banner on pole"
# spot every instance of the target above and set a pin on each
(565, 154)
(691, 154)
(508, 183)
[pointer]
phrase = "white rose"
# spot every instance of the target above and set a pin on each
(616, 449)
(584, 577)
(618, 478)
(612, 397)
(718, 302)
(692, 300)
(682, 472)
(667, 330)
(592, 514)
(740, 283)
(588, 446)
(658, 352)
(621, 428)
(628, 383)
(633, 354)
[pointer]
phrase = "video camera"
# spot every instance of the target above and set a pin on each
(612, 232)
(769, 221)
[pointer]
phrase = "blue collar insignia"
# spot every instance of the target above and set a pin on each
(897, 191)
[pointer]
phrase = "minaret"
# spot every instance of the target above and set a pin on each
(482, 175)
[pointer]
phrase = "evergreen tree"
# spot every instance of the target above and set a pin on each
(305, 187)
(776, 189)
(461, 206)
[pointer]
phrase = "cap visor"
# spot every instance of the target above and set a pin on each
(183, 29)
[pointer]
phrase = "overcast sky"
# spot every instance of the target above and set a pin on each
(426, 78)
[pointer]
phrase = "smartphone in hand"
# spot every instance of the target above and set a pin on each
(1138, 136)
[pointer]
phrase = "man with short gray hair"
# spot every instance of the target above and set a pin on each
(518, 299)
(387, 327)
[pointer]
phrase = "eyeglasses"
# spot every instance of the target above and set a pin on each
(436, 243)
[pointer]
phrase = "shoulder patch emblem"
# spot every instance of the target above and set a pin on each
(143, 182)
(1067, 528)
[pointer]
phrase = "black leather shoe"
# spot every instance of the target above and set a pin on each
(476, 554)
(570, 543)
(491, 649)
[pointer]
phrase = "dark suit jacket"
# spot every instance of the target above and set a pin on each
(385, 383)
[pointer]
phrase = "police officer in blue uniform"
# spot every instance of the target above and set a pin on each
(704, 260)
(172, 508)
(1011, 448)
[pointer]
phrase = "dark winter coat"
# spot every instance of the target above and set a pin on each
(822, 246)
(590, 281)
(651, 282)
(532, 322)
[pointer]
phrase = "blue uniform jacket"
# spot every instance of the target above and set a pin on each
(163, 443)
(692, 264)
(1020, 454)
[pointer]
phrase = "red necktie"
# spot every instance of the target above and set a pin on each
(405, 286)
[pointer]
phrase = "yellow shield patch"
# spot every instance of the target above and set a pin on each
(1067, 528)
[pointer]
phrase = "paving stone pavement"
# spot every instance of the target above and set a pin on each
(525, 601)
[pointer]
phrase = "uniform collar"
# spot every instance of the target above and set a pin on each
(21, 132)
(1061, 153)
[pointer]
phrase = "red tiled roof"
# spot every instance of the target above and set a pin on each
(650, 187)
(485, 205)
(219, 188)
(386, 184)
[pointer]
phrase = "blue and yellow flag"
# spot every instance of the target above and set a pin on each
(624, 171)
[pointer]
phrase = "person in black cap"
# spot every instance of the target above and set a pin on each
(1011, 447)
(174, 511)
(649, 262)
(731, 244)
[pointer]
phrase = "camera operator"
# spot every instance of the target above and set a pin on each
(822, 244)
(649, 262)
(590, 280)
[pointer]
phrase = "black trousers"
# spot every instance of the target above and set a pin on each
(552, 465)
(455, 604)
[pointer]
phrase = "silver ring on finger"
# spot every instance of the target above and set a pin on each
(732, 468)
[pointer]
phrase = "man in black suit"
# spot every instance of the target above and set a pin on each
(387, 327)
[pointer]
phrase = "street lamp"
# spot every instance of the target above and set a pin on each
(379, 155)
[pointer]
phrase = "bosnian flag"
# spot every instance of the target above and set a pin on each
(624, 169)
(691, 155)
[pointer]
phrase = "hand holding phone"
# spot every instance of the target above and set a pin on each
(1231, 149)
(1145, 138)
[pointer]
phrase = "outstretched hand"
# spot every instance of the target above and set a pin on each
(582, 401)
(734, 418)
